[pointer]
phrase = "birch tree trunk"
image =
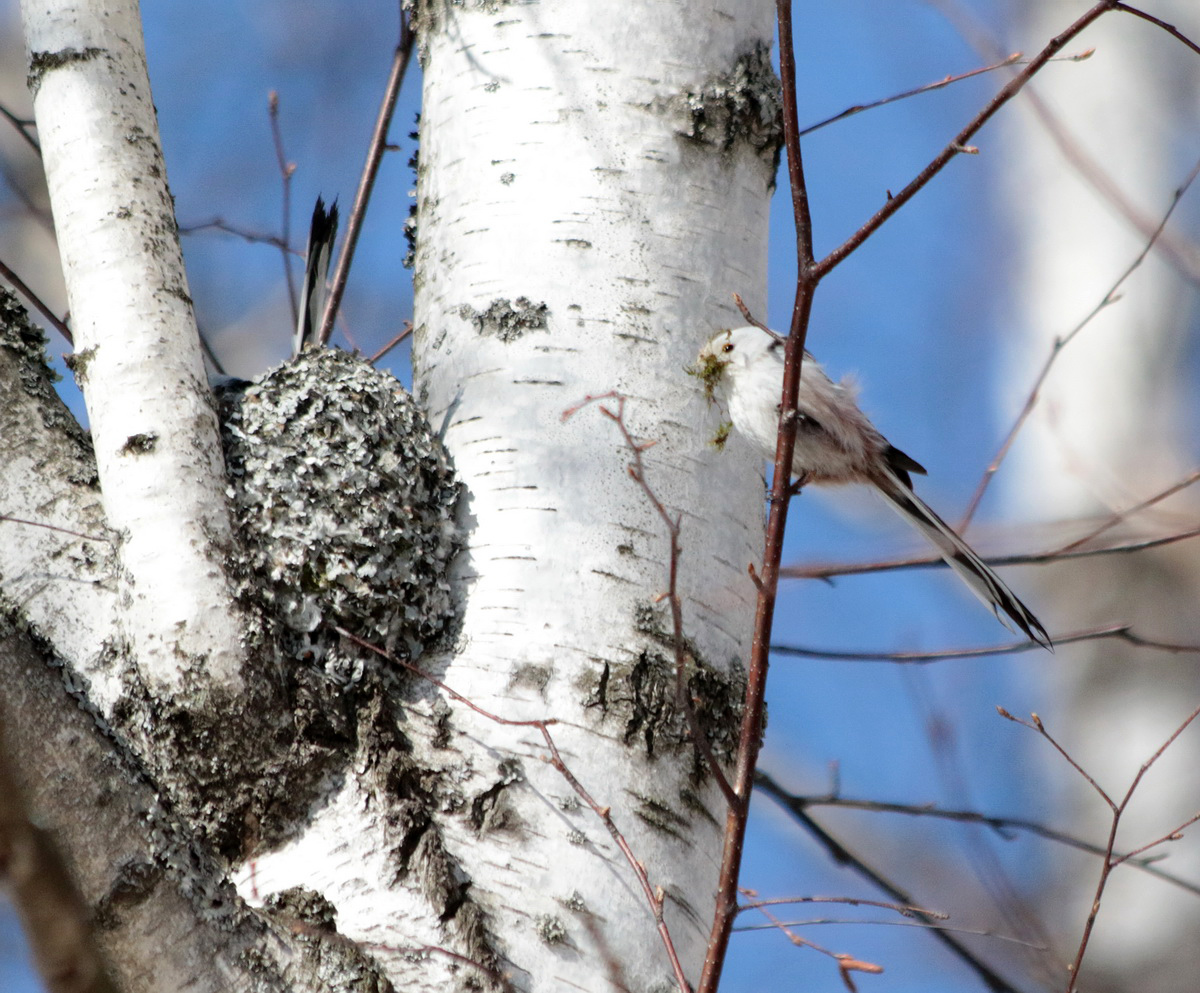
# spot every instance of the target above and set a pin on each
(1105, 437)
(593, 188)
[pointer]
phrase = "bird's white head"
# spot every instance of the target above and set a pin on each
(728, 354)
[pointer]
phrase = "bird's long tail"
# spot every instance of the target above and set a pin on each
(977, 574)
(321, 234)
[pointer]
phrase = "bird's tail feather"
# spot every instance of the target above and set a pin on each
(321, 234)
(977, 574)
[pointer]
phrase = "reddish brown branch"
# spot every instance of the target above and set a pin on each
(750, 738)
(366, 183)
(960, 142)
(408, 329)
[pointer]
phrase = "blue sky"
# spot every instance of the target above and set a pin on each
(914, 314)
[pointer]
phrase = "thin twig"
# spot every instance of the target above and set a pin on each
(286, 171)
(751, 319)
(846, 963)
(366, 183)
(1014, 59)
(637, 472)
(1123, 515)
(1118, 808)
(408, 329)
(53, 527)
(24, 128)
(1173, 31)
(254, 237)
(843, 856)
(1003, 826)
(1121, 632)
(831, 570)
(903, 909)
(960, 142)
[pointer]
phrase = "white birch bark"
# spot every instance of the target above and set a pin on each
(137, 353)
(1105, 436)
(574, 237)
(593, 188)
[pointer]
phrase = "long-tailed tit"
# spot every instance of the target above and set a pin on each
(836, 443)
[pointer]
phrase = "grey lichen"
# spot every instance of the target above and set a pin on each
(550, 929)
(43, 62)
(743, 104)
(26, 342)
(335, 961)
(641, 695)
(345, 502)
(307, 906)
(507, 320)
(140, 444)
(18, 332)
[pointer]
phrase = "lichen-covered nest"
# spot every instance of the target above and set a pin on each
(345, 503)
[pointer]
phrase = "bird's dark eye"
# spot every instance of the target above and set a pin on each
(727, 347)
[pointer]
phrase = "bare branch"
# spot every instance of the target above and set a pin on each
(843, 856)
(960, 141)
(366, 183)
(1120, 633)
(286, 171)
(1118, 808)
(1003, 826)
(828, 571)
